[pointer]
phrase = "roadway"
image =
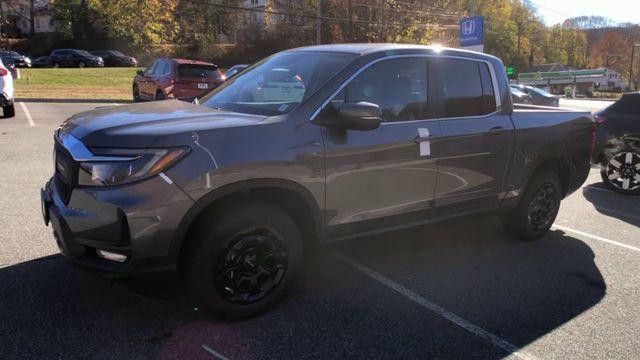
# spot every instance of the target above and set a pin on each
(454, 290)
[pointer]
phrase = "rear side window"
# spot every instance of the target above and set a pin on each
(463, 88)
(627, 105)
(193, 70)
(398, 86)
(488, 95)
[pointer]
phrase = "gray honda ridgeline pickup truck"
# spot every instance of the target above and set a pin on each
(305, 147)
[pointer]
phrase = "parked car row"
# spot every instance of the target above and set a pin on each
(70, 58)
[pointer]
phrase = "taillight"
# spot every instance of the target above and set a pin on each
(3, 71)
(600, 120)
(593, 139)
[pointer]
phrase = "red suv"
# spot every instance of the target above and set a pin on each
(175, 79)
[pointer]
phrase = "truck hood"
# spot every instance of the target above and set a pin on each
(139, 125)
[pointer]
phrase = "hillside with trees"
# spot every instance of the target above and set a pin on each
(514, 31)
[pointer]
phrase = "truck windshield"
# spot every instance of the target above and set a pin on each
(277, 84)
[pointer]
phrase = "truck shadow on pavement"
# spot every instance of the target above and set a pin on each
(517, 290)
(620, 206)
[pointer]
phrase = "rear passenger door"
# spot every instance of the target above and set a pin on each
(476, 136)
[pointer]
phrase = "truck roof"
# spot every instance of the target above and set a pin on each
(368, 48)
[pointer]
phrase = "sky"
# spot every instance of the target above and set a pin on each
(556, 11)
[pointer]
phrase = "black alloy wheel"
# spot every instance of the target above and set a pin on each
(251, 265)
(542, 208)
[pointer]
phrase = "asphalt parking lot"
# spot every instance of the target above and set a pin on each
(455, 290)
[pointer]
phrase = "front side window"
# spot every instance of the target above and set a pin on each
(278, 84)
(460, 88)
(151, 70)
(398, 86)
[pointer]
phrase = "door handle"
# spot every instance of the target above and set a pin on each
(496, 130)
(419, 139)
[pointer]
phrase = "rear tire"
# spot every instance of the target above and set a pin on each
(537, 209)
(623, 170)
(9, 111)
(55, 65)
(245, 261)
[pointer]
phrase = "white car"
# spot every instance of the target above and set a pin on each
(6, 91)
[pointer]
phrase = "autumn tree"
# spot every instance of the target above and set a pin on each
(611, 51)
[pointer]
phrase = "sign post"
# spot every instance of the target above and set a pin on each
(472, 33)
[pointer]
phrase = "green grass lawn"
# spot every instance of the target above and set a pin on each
(87, 83)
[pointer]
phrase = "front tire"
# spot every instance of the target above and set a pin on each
(622, 172)
(81, 64)
(136, 93)
(245, 261)
(9, 111)
(537, 209)
(159, 96)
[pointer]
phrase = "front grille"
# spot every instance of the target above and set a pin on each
(65, 172)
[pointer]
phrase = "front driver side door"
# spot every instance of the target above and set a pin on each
(384, 177)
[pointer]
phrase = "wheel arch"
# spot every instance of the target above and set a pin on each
(292, 197)
(559, 165)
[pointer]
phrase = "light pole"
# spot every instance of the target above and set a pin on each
(633, 52)
(318, 23)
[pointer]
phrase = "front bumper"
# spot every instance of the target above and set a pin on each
(137, 220)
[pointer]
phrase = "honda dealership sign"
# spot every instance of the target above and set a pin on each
(472, 33)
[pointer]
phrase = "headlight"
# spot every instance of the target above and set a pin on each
(27, 60)
(135, 165)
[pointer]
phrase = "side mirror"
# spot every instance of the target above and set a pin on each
(360, 116)
(140, 72)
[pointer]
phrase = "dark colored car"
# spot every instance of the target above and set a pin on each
(42, 62)
(618, 144)
(74, 58)
(15, 59)
(309, 146)
(235, 69)
(114, 58)
(519, 97)
(539, 96)
(176, 79)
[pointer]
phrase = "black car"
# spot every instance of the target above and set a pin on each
(617, 148)
(538, 96)
(74, 58)
(519, 97)
(42, 62)
(114, 58)
(12, 57)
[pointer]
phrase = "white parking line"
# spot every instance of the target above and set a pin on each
(595, 237)
(213, 352)
(27, 113)
(476, 330)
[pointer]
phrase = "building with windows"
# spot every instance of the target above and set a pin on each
(18, 15)
(586, 82)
